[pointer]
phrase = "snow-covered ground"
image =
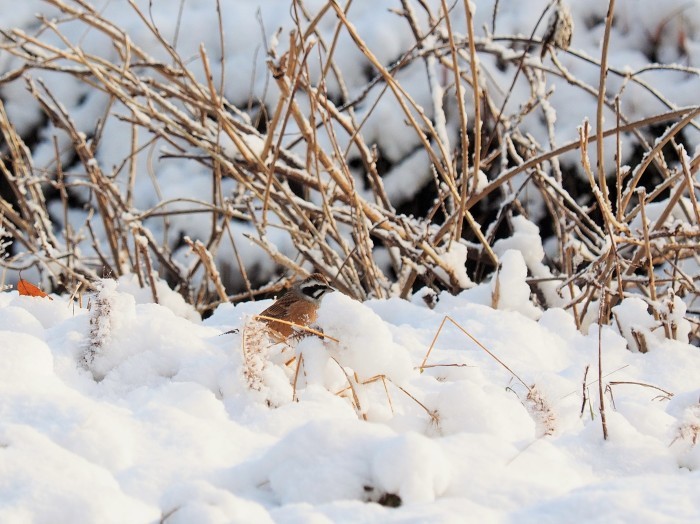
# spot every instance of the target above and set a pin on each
(133, 411)
(643, 31)
(122, 410)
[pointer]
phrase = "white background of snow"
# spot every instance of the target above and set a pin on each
(171, 428)
(634, 35)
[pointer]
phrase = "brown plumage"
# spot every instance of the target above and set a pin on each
(299, 305)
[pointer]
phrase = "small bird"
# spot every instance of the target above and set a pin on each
(299, 305)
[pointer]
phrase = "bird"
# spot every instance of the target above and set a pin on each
(298, 306)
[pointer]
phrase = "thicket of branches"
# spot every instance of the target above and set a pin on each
(609, 245)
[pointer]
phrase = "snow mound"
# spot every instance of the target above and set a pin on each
(161, 424)
(365, 344)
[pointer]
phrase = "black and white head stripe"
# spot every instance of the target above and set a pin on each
(314, 287)
(315, 290)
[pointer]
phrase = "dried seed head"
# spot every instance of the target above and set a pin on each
(559, 30)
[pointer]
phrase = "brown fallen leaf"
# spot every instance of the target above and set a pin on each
(30, 290)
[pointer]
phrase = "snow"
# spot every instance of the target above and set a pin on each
(510, 287)
(123, 410)
(161, 422)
